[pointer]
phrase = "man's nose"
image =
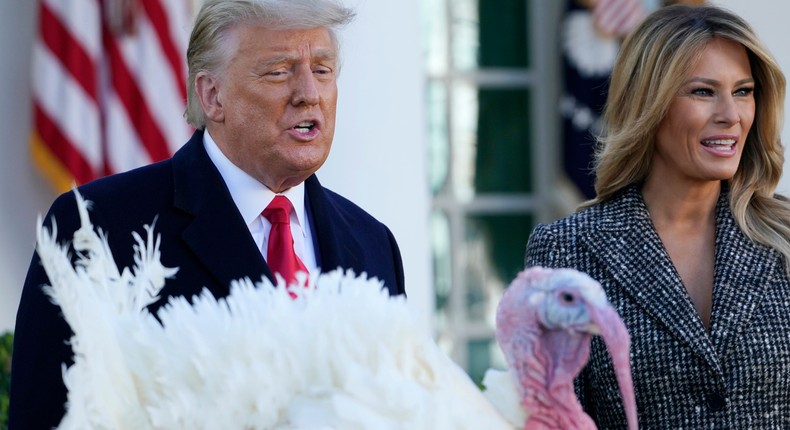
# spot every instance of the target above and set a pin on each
(305, 88)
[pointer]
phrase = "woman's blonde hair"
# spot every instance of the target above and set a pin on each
(653, 63)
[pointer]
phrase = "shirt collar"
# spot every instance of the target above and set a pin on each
(250, 196)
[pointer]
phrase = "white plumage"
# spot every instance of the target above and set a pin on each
(343, 355)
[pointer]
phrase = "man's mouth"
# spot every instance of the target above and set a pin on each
(304, 127)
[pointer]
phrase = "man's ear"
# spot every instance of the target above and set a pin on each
(207, 88)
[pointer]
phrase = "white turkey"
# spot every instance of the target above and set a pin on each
(342, 355)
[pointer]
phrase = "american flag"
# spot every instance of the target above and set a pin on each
(108, 86)
(617, 17)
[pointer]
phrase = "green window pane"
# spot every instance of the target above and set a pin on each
(464, 117)
(434, 25)
(502, 162)
(442, 259)
(494, 254)
(491, 149)
(490, 33)
(438, 144)
(483, 354)
(465, 27)
(503, 33)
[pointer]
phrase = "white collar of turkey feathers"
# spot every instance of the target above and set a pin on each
(343, 355)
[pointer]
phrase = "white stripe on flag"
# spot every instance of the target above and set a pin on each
(132, 153)
(82, 19)
(67, 105)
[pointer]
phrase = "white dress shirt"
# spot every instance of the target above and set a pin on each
(252, 197)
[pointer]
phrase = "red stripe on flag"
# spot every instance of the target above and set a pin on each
(96, 74)
(133, 101)
(54, 139)
(68, 50)
(161, 25)
(617, 17)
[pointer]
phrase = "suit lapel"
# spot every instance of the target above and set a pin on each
(334, 237)
(217, 235)
(641, 267)
(743, 272)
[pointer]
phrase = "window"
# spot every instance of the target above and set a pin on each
(492, 87)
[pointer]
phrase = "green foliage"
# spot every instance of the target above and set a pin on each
(6, 346)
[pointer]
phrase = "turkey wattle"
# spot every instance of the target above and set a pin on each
(544, 324)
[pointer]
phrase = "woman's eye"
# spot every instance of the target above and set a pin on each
(702, 92)
(744, 91)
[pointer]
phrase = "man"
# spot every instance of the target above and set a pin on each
(262, 95)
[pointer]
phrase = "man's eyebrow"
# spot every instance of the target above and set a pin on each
(279, 59)
(317, 54)
(325, 54)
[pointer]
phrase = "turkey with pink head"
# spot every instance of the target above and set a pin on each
(544, 325)
(341, 355)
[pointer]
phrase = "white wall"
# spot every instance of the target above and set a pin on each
(379, 153)
(378, 158)
(23, 193)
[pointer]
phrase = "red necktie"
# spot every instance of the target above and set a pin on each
(280, 254)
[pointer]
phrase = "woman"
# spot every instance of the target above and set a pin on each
(685, 232)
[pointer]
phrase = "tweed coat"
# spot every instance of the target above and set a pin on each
(736, 375)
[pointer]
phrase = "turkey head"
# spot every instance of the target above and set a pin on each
(544, 325)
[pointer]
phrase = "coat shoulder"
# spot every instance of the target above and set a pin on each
(561, 243)
(344, 210)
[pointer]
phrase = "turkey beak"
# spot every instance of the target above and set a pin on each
(618, 342)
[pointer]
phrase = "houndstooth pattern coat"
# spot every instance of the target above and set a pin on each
(736, 376)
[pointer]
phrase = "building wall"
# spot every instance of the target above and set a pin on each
(23, 193)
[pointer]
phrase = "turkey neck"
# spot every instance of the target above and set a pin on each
(547, 381)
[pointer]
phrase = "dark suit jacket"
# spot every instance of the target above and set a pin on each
(734, 376)
(202, 233)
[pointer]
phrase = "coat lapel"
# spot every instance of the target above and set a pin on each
(334, 237)
(638, 262)
(217, 235)
(743, 271)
